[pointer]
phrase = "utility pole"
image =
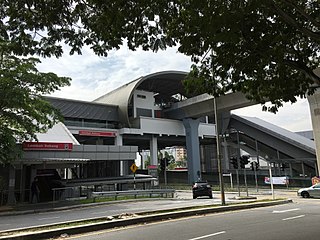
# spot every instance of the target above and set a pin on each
(223, 200)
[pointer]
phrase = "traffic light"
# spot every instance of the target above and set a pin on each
(244, 160)
(234, 162)
(254, 166)
(257, 165)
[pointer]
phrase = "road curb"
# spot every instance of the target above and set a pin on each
(51, 233)
(61, 208)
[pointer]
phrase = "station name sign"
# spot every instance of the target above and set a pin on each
(97, 133)
(46, 146)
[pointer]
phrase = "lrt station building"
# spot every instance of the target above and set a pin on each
(98, 141)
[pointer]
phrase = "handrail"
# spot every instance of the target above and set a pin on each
(134, 193)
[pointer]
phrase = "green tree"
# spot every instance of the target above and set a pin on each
(268, 50)
(23, 110)
(265, 49)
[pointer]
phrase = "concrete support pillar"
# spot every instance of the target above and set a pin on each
(123, 164)
(193, 153)
(303, 171)
(314, 103)
(154, 151)
(12, 183)
(22, 183)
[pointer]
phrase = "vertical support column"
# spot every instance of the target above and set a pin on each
(314, 104)
(154, 150)
(290, 169)
(193, 154)
(303, 171)
(123, 164)
(12, 183)
(22, 183)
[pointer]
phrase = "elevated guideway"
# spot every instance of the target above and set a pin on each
(279, 145)
(202, 105)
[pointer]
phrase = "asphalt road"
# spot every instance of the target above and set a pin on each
(295, 221)
(184, 199)
(37, 219)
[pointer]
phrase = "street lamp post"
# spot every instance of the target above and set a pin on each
(223, 201)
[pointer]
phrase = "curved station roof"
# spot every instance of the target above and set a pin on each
(164, 85)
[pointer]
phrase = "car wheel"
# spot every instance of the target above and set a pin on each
(305, 194)
(194, 197)
(210, 196)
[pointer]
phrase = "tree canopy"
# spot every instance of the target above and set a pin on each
(265, 49)
(23, 110)
(268, 50)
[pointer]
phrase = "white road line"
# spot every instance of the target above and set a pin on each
(48, 218)
(206, 236)
(288, 210)
(290, 218)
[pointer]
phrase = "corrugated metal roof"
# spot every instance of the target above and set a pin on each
(84, 110)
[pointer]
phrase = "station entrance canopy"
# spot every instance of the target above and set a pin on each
(59, 146)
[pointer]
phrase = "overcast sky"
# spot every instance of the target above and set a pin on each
(93, 76)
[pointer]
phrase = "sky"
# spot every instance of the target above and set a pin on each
(93, 76)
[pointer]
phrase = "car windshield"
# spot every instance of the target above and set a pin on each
(201, 183)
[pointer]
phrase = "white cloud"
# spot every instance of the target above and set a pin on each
(93, 76)
(294, 117)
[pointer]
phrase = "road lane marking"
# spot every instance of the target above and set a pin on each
(291, 218)
(284, 211)
(206, 236)
(48, 218)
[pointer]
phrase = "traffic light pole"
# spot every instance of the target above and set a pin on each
(238, 184)
(255, 175)
(245, 180)
(238, 160)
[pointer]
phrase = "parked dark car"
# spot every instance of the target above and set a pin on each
(201, 188)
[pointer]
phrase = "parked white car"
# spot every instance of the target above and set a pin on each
(313, 191)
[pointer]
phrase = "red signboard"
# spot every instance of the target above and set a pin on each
(97, 134)
(46, 146)
(152, 167)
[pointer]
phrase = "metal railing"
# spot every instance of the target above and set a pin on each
(18, 196)
(135, 193)
(69, 193)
